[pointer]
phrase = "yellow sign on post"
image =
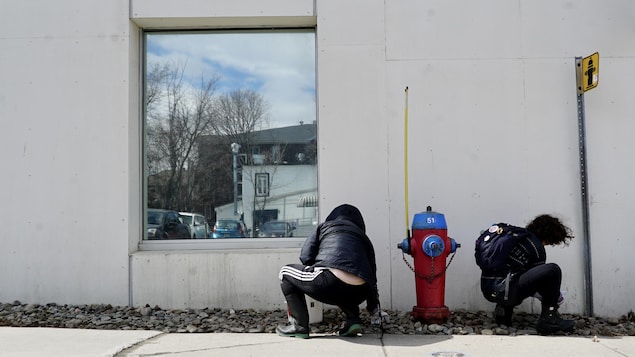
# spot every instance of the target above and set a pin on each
(590, 70)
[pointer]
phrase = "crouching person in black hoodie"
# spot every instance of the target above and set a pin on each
(338, 268)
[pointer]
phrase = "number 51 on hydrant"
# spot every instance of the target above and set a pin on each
(429, 246)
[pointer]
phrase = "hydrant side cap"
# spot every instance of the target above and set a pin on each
(429, 220)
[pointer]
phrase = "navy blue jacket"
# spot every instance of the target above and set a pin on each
(526, 254)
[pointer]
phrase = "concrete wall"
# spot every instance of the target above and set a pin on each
(65, 95)
(493, 136)
(229, 278)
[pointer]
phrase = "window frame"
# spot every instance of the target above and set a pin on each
(207, 244)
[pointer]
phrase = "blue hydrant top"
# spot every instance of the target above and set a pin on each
(429, 220)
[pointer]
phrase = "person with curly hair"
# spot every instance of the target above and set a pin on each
(526, 274)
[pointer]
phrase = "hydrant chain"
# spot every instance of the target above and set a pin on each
(432, 276)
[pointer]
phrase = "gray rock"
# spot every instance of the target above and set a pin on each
(145, 311)
(580, 323)
(501, 331)
(527, 332)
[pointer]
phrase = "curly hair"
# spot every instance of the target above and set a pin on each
(550, 230)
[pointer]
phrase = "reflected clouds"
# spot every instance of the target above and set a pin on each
(279, 64)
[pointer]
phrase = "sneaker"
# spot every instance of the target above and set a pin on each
(350, 330)
(551, 322)
(292, 331)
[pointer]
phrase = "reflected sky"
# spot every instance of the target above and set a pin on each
(280, 65)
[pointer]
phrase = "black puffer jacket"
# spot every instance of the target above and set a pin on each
(341, 243)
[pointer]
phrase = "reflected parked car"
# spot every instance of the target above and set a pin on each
(198, 224)
(166, 224)
(229, 228)
(276, 229)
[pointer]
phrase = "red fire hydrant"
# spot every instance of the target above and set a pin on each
(429, 247)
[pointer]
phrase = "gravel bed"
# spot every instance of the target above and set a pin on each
(210, 320)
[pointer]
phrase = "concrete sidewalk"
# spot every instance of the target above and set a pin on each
(72, 342)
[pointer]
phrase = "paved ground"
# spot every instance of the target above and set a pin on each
(50, 342)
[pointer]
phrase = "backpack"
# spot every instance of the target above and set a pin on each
(494, 245)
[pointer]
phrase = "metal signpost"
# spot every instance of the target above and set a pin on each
(587, 77)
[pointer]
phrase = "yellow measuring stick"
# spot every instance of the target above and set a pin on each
(405, 160)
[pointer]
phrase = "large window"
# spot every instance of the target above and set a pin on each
(230, 134)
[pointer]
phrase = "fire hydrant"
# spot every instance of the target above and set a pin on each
(429, 247)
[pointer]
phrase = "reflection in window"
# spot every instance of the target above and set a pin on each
(207, 90)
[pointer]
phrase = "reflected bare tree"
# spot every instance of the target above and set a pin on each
(177, 114)
(240, 113)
